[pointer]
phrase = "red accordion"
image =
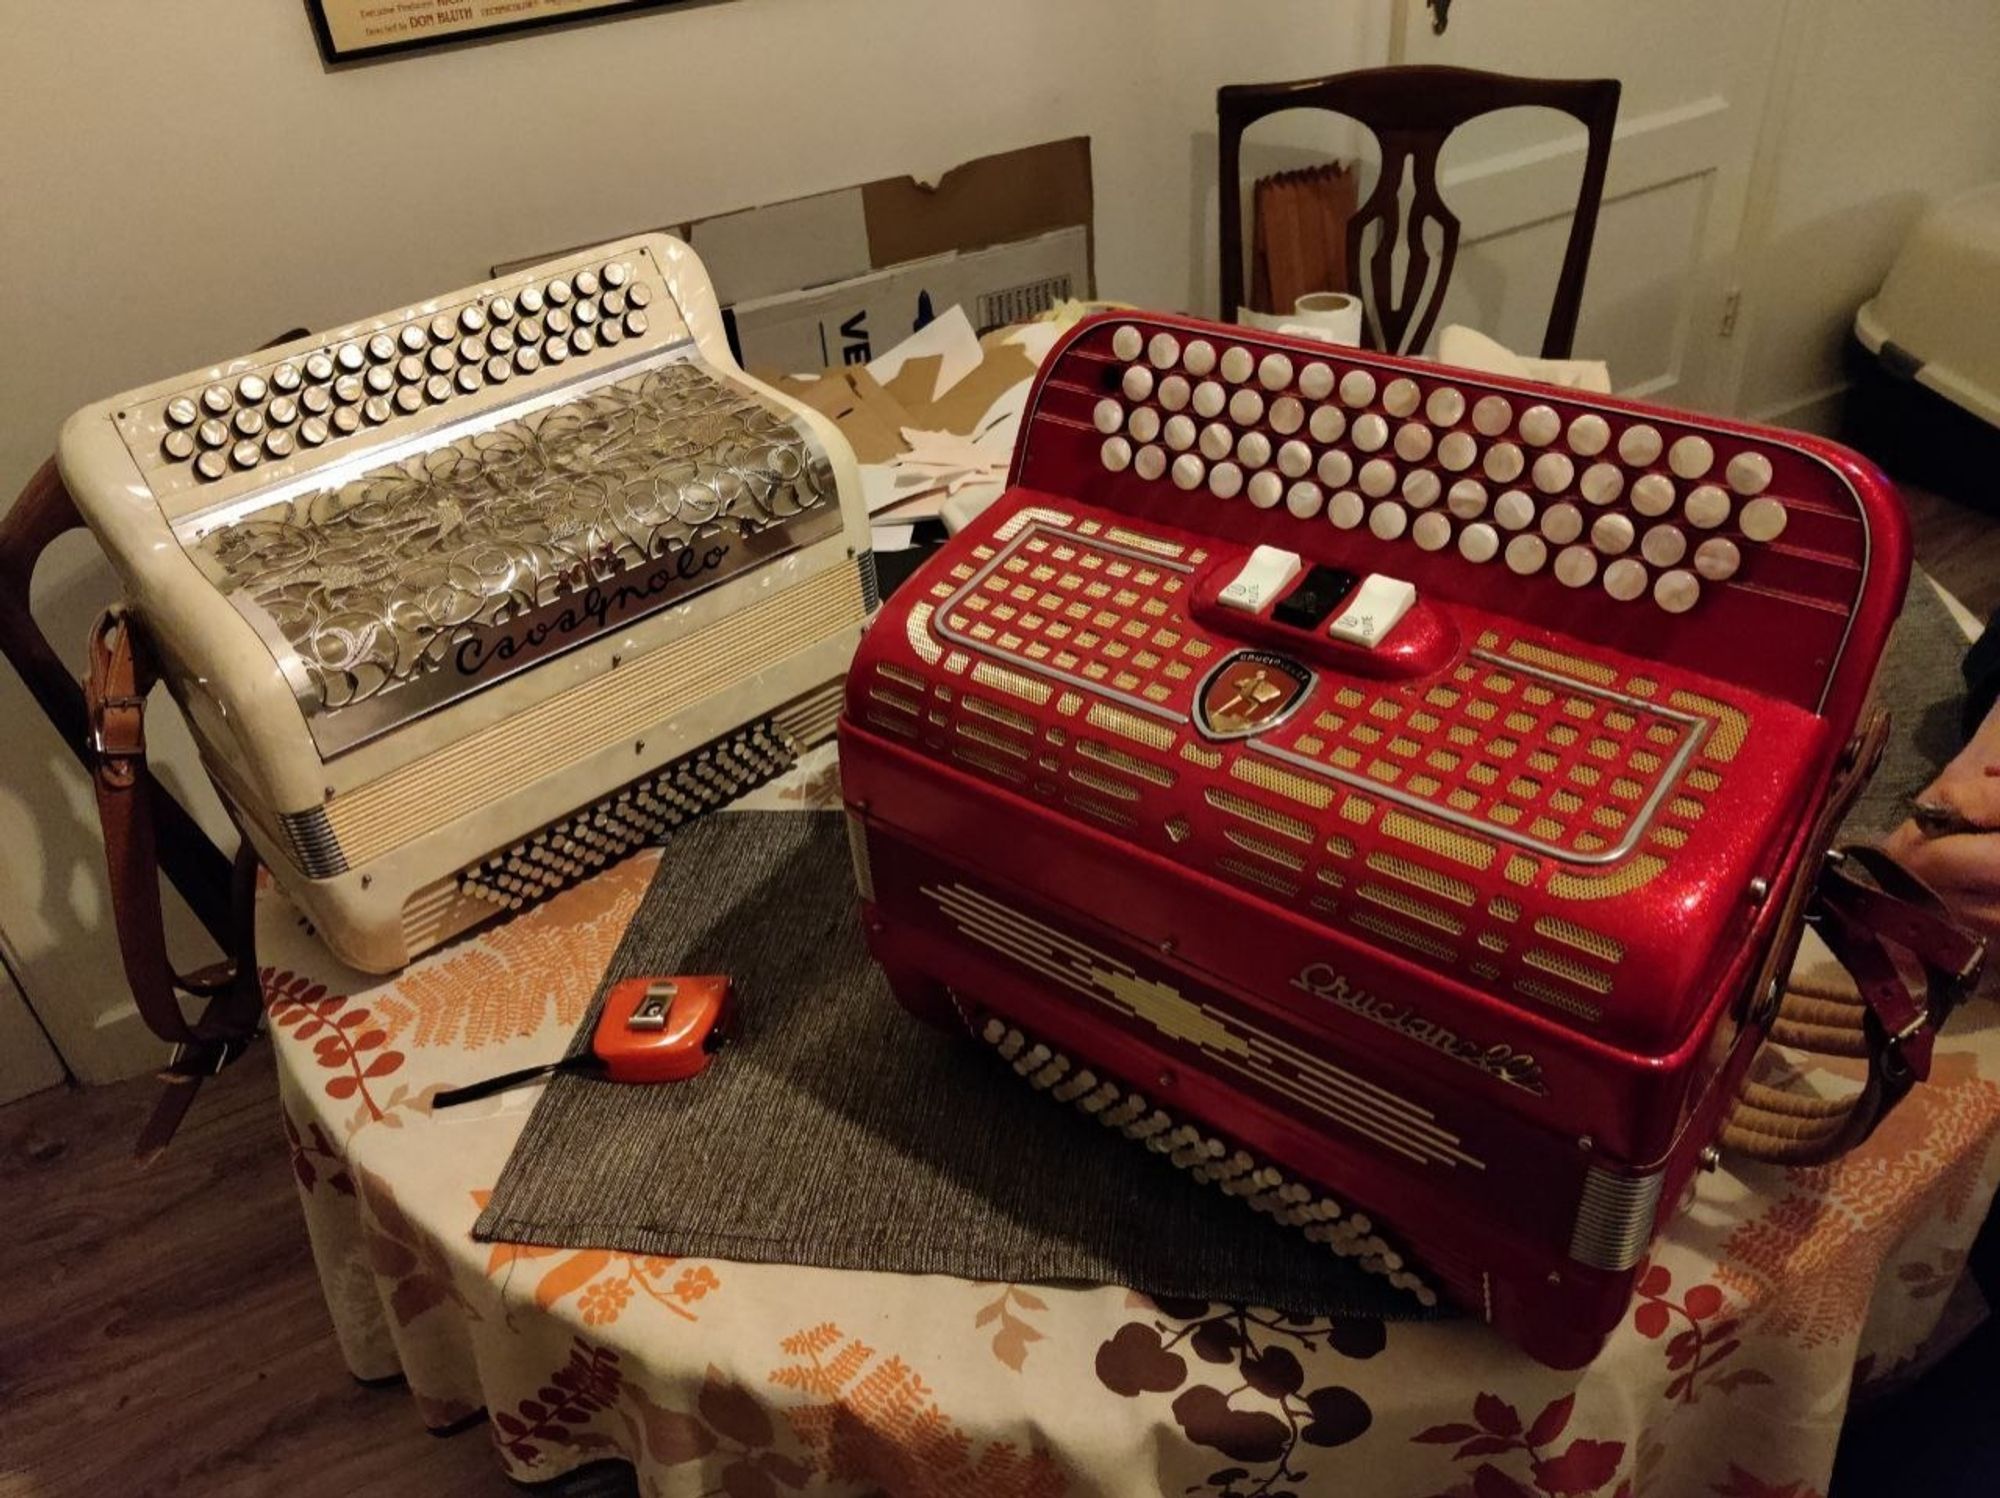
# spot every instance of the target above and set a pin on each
(1390, 792)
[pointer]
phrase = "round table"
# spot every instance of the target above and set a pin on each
(1760, 1305)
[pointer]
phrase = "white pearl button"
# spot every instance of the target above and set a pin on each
(1378, 477)
(1653, 494)
(1525, 554)
(1274, 372)
(1602, 483)
(1540, 425)
(1173, 392)
(1664, 545)
(1676, 591)
(1690, 457)
(1327, 423)
(1266, 489)
(1287, 415)
(1150, 462)
(1188, 470)
(1246, 406)
(1236, 365)
(1413, 442)
(1458, 451)
(1107, 416)
(1514, 510)
(1589, 435)
(1253, 450)
(1562, 523)
(1717, 559)
(1467, 499)
(1370, 432)
(1216, 441)
(1421, 488)
(1295, 460)
(1164, 350)
(1576, 566)
(1345, 509)
(1492, 415)
(1209, 399)
(1639, 445)
(1611, 534)
(1707, 506)
(1625, 580)
(1303, 499)
(1357, 387)
(1431, 531)
(1504, 462)
(1335, 468)
(1388, 520)
(1138, 383)
(1225, 481)
(1199, 357)
(1179, 433)
(1553, 471)
(1143, 423)
(1116, 454)
(1401, 397)
(1763, 519)
(1445, 406)
(1315, 381)
(1749, 473)
(1126, 342)
(1479, 542)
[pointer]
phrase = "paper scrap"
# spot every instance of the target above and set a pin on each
(948, 336)
(893, 537)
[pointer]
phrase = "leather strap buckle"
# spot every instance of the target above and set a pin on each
(108, 746)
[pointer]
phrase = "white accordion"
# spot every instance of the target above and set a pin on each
(464, 601)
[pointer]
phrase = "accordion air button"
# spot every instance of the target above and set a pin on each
(1295, 459)
(1377, 478)
(1178, 433)
(312, 431)
(1514, 510)
(1143, 423)
(1552, 473)
(1316, 381)
(1345, 510)
(1690, 457)
(1304, 499)
(1708, 506)
(1209, 399)
(1763, 519)
(412, 338)
(1540, 426)
(1504, 462)
(1717, 559)
(1492, 415)
(1236, 365)
(1653, 494)
(1611, 534)
(211, 465)
(586, 283)
(1172, 393)
(213, 433)
(1357, 387)
(437, 387)
(1225, 481)
(1274, 372)
(1127, 344)
(1198, 358)
(345, 420)
(1421, 488)
(1457, 452)
(1526, 554)
(216, 400)
(1246, 406)
(1388, 520)
(1253, 450)
(1431, 531)
(1335, 468)
(1676, 591)
(177, 446)
(1327, 423)
(1479, 542)
(349, 358)
(1370, 432)
(1149, 462)
(1163, 351)
(1589, 435)
(636, 324)
(470, 318)
(1216, 441)
(1602, 483)
(409, 399)
(1664, 545)
(1625, 579)
(1466, 499)
(1562, 523)
(1749, 474)
(1188, 471)
(1288, 414)
(278, 443)
(1137, 381)
(1639, 445)
(1107, 416)
(248, 421)
(1446, 406)
(1576, 566)
(181, 412)
(1265, 489)
(1413, 442)
(246, 454)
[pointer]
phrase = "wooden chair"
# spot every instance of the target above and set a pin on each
(1411, 112)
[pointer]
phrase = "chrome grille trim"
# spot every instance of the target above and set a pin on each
(1614, 1220)
(310, 839)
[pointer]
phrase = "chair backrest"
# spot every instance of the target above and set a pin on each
(1411, 112)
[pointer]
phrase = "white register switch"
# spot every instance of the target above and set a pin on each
(1267, 574)
(1375, 608)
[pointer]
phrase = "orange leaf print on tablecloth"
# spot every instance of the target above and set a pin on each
(604, 1282)
(1013, 1334)
(346, 1037)
(540, 967)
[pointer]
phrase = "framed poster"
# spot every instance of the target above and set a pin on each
(349, 30)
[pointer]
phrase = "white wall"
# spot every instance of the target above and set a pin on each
(183, 180)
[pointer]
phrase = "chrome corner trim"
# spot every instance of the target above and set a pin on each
(1614, 1219)
(310, 839)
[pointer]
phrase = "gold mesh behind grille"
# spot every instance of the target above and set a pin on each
(1596, 943)
(1415, 909)
(1131, 764)
(1567, 967)
(1473, 852)
(1263, 849)
(1730, 730)
(1263, 816)
(1268, 777)
(1423, 877)
(1639, 869)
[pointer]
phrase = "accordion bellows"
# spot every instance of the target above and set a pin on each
(1457, 920)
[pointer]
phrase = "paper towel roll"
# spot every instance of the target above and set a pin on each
(1331, 315)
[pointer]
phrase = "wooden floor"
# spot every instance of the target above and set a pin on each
(161, 1330)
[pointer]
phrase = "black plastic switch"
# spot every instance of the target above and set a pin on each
(1316, 597)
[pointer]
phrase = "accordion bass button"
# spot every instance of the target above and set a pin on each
(1708, 506)
(1664, 545)
(211, 465)
(1514, 510)
(1378, 478)
(1717, 559)
(1749, 474)
(1504, 463)
(1690, 457)
(1763, 519)
(1304, 499)
(1576, 566)
(1334, 468)
(1413, 442)
(1288, 414)
(216, 400)
(1540, 426)
(1466, 499)
(1552, 473)
(1126, 343)
(1401, 397)
(1246, 407)
(1208, 399)
(177, 446)
(1445, 406)
(1295, 460)
(1640, 445)
(1115, 454)
(1149, 462)
(1431, 532)
(1479, 542)
(1370, 432)
(181, 412)
(413, 338)
(1198, 358)
(1388, 520)
(1236, 365)
(1274, 372)
(1172, 392)
(1345, 510)
(1357, 387)
(1562, 523)
(1107, 416)
(1225, 481)
(1327, 423)
(212, 433)
(1677, 591)
(1602, 483)
(1625, 579)
(1188, 471)
(1216, 441)
(1421, 488)
(1163, 351)
(312, 431)
(1653, 494)
(1457, 452)
(1142, 424)
(1316, 381)
(1589, 435)
(1136, 382)
(1611, 534)
(1266, 489)
(1179, 433)
(1253, 450)
(1492, 415)
(635, 324)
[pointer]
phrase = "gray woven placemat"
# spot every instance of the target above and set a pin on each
(840, 1132)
